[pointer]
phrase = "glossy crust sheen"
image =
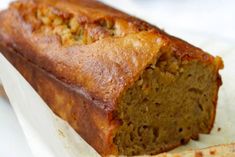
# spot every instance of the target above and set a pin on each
(82, 83)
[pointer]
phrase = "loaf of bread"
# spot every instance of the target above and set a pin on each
(127, 87)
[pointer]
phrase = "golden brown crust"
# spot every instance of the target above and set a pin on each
(70, 103)
(95, 73)
(104, 67)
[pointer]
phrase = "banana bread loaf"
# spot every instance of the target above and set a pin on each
(125, 86)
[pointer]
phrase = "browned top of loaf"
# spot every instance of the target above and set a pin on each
(102, 69)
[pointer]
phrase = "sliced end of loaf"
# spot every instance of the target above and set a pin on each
(172, 102)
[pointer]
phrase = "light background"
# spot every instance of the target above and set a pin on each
(209, 24)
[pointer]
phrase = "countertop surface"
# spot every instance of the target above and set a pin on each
(207, 24)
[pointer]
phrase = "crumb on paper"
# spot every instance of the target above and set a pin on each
(233, 148)
(198, 154)
(219, 129)
(212, 152)
(61, 133)
(3, 93)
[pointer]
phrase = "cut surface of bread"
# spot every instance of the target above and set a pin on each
(170, 103)
(127, 87)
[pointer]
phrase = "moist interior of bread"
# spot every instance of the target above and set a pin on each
(73, 29)
(170, 103)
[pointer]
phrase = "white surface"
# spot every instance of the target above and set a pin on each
(12, 143)
(195, 21)
(212, 17)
